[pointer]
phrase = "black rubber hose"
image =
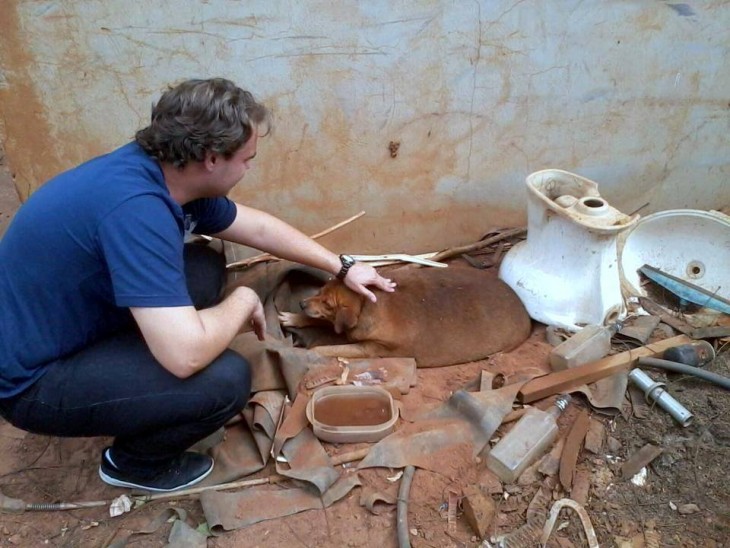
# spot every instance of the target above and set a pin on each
(714, 378)
(404, 540)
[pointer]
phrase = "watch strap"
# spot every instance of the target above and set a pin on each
(347, 263)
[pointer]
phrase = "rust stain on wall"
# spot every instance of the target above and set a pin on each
(31, 152)
(317, 173)
(315, 178)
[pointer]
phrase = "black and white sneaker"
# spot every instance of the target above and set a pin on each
(187, 469)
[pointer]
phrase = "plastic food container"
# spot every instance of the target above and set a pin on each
(352, 414)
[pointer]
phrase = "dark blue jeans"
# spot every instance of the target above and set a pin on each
(117, 388)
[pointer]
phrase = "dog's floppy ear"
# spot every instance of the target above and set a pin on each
(347, 305)
(346, 318)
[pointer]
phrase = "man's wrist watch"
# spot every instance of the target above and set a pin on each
(347, 263)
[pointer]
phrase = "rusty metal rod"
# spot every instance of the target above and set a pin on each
(12, 505)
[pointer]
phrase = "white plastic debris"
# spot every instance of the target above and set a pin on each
(640, 477)
(395, 478)
(120, 505)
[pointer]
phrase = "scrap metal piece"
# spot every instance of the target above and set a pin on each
(654, 391)
(582, 514)
(687, 291)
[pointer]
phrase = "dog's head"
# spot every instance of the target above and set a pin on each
(335, 303)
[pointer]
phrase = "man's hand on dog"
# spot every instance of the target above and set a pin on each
(362, 275)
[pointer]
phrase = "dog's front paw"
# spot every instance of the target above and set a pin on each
(291, 319)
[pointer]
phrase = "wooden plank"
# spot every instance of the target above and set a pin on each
(569, 379)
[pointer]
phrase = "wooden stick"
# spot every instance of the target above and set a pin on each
(569, 379)
(454, 251)
(16, 505)
(268, 257)
(274, 478)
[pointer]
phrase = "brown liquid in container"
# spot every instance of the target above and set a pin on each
(352, 410)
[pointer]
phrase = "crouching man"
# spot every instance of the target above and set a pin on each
(109, 324)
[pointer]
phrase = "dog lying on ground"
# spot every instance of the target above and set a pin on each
(439, 316)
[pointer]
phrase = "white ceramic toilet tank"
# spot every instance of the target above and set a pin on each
(566, 272)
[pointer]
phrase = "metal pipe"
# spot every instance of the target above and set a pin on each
(714, 378)
(654, 391)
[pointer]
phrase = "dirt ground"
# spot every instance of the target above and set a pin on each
(685, 500)
(692, 470)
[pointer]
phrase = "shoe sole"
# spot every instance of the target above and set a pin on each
(120, 483)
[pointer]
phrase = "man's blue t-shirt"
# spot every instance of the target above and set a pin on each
(86, 246)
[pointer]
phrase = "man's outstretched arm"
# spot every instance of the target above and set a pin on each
(260, 230)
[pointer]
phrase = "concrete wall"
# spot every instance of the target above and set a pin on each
(478, 94)
(9, 199)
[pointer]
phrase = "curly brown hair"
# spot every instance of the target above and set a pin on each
(199, 116)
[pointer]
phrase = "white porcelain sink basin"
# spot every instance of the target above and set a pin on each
(691, 244)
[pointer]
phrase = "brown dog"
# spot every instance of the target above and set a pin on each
(439, 316)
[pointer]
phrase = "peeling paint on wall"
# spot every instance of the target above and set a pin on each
(477, 94)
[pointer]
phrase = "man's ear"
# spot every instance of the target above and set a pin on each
(210, 160)
(346, 318)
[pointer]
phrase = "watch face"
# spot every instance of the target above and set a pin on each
(347, 260)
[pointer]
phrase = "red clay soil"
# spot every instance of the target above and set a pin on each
(685, 500)
(690, 471)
